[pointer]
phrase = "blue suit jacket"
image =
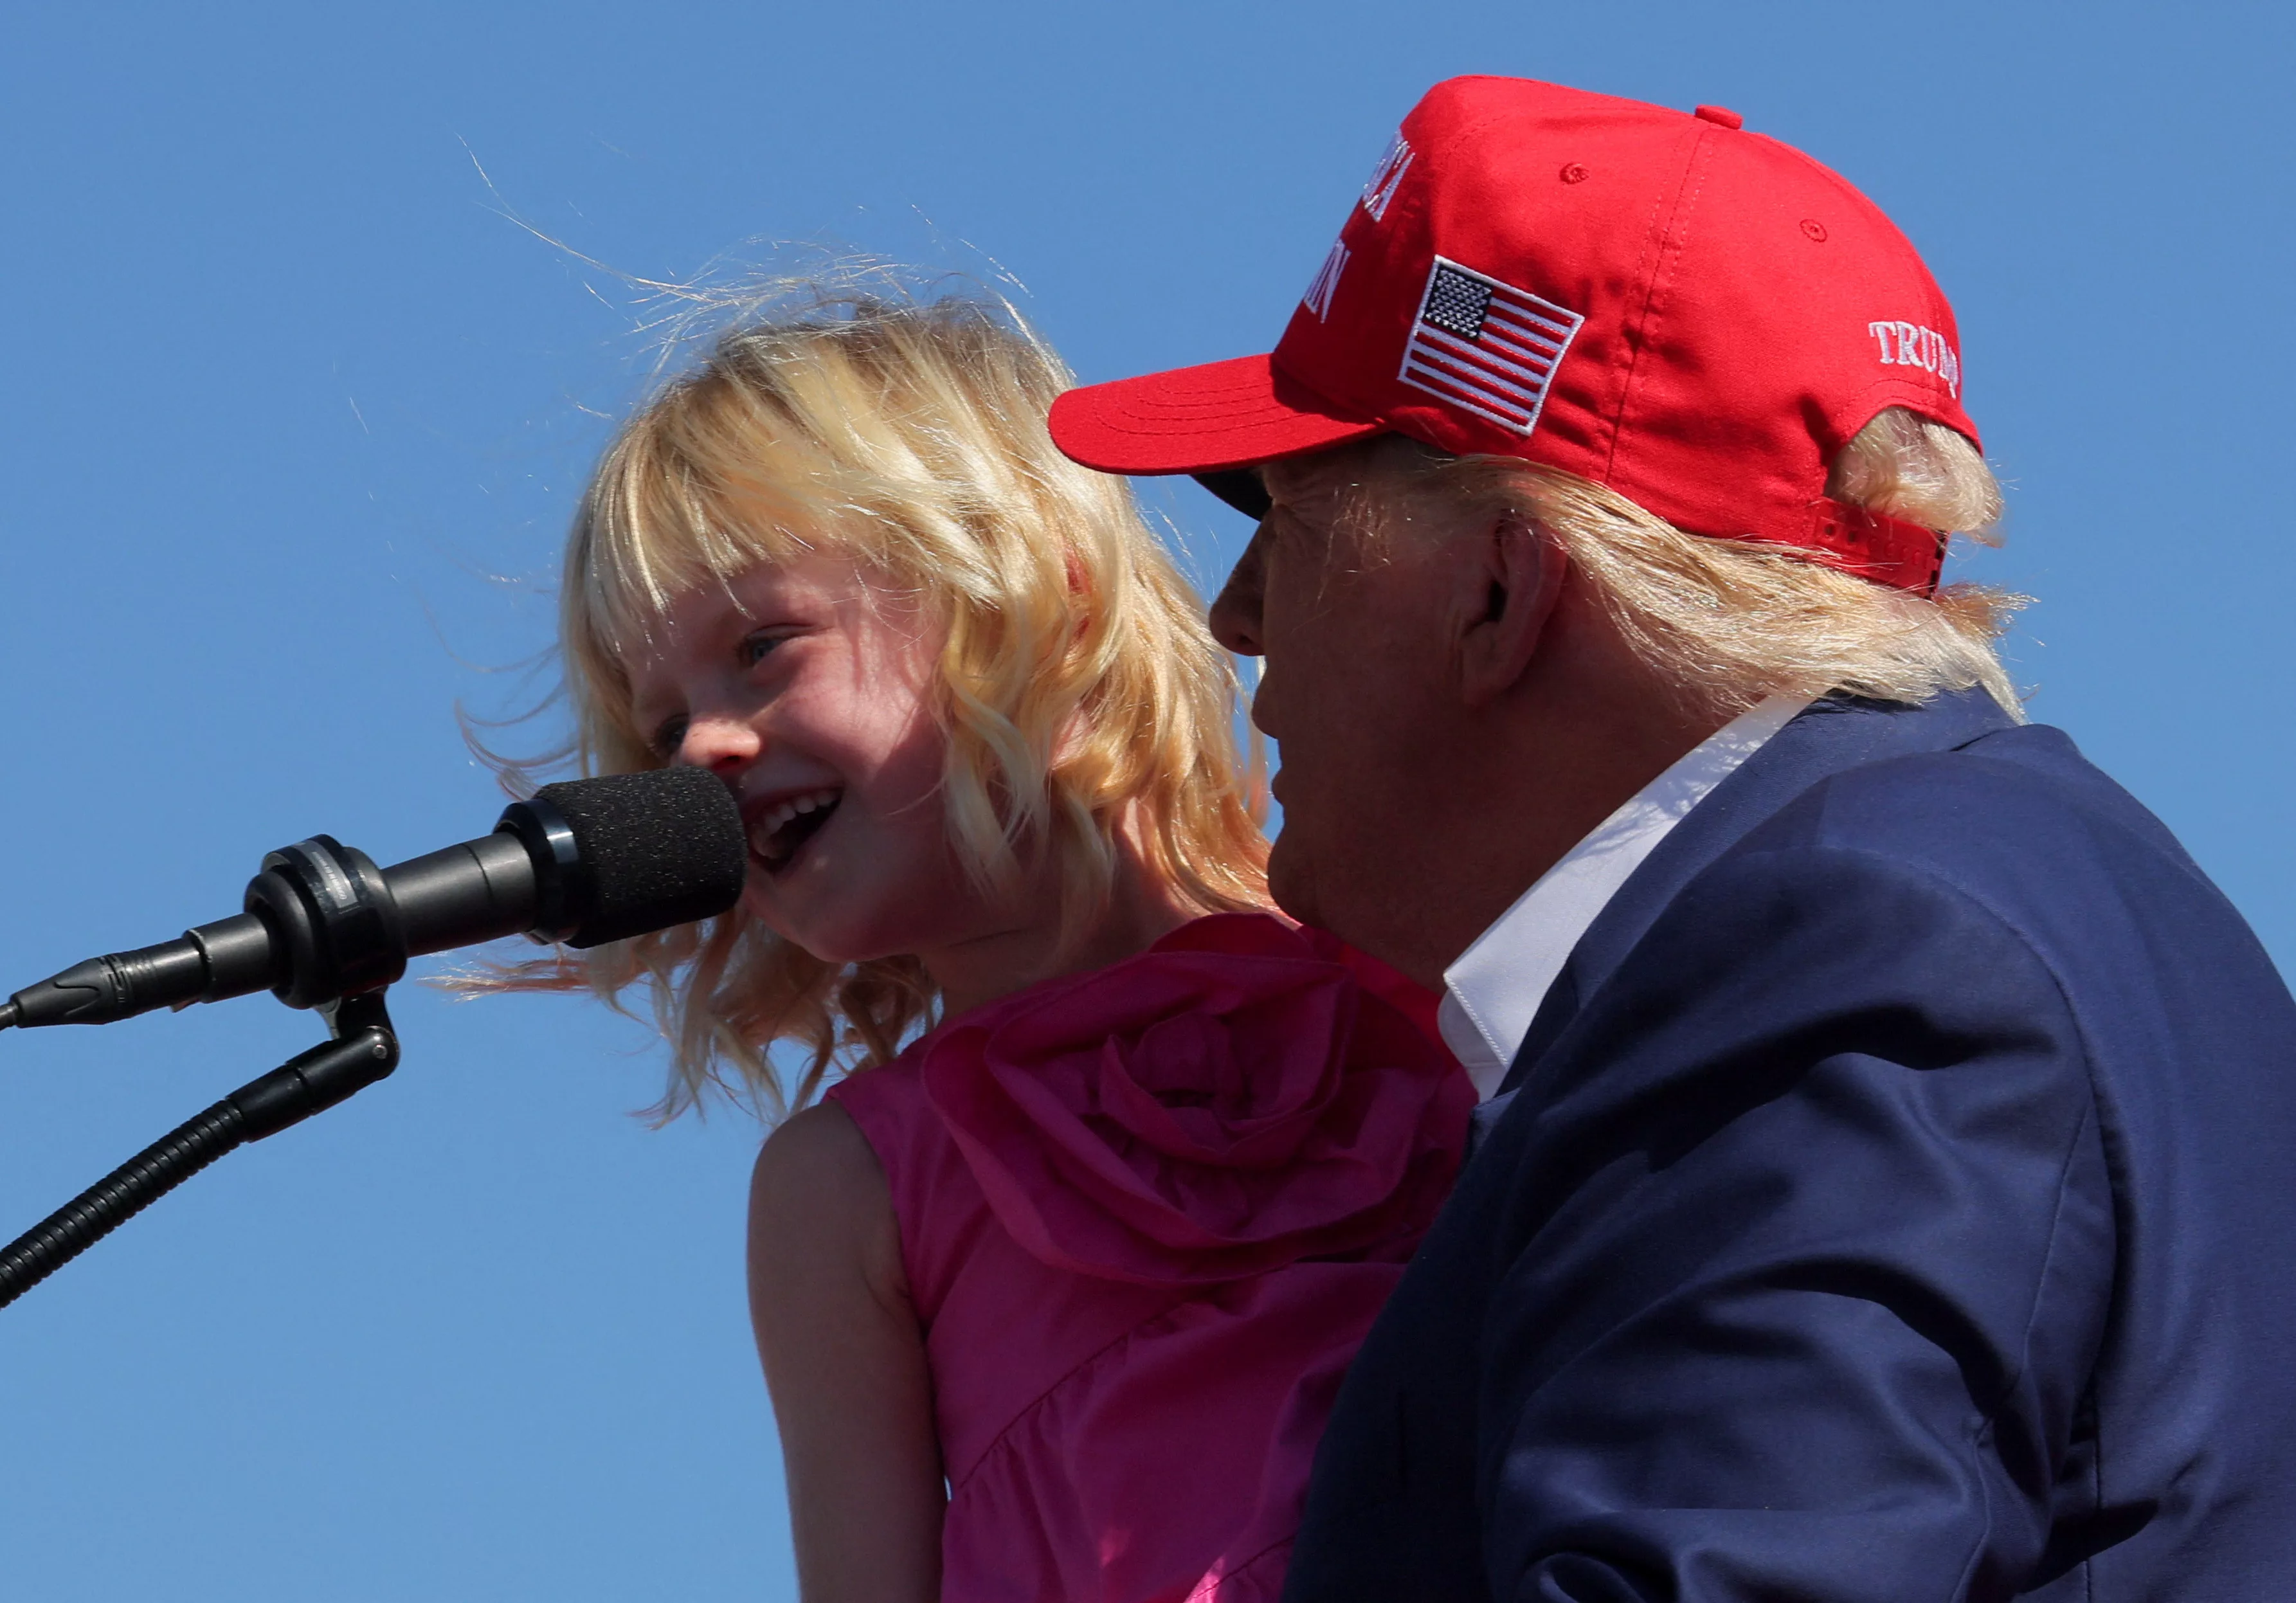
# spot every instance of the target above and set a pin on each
(1895, 1200)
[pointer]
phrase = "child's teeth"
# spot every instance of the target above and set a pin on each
(783, 812)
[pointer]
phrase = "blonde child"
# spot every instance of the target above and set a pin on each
(1053, 1287)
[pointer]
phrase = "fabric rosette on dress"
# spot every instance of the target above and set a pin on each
(1230, 1101)
(1147, 1215)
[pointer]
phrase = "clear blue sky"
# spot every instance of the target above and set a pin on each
(292, 417)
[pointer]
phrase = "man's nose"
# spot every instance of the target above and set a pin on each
(1235, 616)
(724, 745)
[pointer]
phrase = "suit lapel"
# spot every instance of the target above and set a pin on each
(1835, 734)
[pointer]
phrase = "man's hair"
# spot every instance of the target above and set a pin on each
(1085, 701)
(1729, 622)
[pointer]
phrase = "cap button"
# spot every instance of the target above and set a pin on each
(1723, 115)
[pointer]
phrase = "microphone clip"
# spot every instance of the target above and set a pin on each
(330, 909)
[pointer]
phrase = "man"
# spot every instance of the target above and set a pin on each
(1884, 1186)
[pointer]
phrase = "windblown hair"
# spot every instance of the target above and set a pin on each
(1084, 701)
(1730, 621)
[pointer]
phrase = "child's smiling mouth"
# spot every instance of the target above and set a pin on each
(779, 832)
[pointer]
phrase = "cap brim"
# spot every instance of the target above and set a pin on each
(1200, 420)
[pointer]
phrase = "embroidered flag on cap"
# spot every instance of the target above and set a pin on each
(1486, 346)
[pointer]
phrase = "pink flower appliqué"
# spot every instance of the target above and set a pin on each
(1229, 1101)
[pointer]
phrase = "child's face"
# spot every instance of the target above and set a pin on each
(804, 686)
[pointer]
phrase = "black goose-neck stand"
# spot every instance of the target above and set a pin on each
(363, 1051)
(321, 929)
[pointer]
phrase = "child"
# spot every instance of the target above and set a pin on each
(1053, 1297)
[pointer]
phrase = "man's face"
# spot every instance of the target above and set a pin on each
(1344, 601)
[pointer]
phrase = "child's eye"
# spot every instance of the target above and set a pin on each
(754, 647)
(668, 738)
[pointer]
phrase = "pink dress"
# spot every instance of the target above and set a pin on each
(1147, 1215)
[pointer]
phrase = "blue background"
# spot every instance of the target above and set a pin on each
(294, 415)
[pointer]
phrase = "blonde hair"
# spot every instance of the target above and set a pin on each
(1087, 709)
(1730, 622)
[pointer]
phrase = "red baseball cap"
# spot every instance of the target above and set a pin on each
(1696, 317)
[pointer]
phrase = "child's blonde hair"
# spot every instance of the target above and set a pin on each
(1084, 699)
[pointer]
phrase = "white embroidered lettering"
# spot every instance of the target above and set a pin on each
(1912, 345)
(1384, 177)
(1327, 282)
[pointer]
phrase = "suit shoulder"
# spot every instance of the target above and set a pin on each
(2020, 823)
(2025, 793)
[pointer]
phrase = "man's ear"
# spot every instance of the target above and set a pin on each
(1510, 577)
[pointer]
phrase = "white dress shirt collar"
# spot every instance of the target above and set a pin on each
(1494, 991)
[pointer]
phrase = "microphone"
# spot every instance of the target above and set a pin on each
(583, 862)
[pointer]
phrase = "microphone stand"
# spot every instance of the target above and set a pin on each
(334, 941)
(363, 1051)
(325, 928)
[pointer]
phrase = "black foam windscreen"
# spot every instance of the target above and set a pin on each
(657, 848)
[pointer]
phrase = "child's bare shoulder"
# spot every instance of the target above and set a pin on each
(817, 1159)
(819, 1205)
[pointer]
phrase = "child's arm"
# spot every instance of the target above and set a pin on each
(846, 1364)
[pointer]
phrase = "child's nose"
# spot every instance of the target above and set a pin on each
(723, 745)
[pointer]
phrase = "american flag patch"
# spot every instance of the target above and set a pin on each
(1485, 347)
